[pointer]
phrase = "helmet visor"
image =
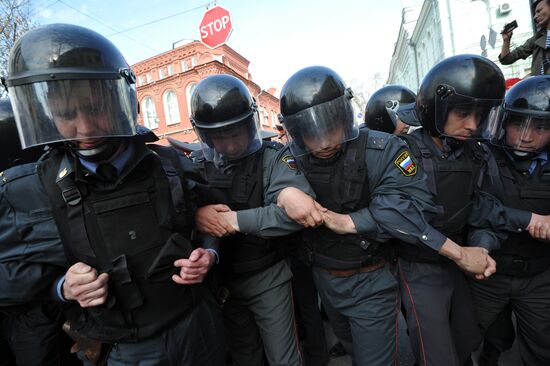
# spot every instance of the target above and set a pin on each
(463, 117)
(73, 110)
(520, 132)
(231, 142)
(321, 127)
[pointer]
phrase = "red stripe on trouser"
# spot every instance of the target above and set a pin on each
(397, 310)
(402, 276)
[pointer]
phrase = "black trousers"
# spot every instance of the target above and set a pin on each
(33, 336)
(501, 334)
(308, 314)
(439, 312)
(196, 339)
(529, 298)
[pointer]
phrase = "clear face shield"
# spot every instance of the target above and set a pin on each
(463, 117)
(231, 142)
(74, 110)
(322, 128)
(524, 134)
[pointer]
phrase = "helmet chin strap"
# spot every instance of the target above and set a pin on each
(101, 152)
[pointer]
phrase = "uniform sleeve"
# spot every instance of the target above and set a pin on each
(401, 203)
(280, 171)
(491, 230)
(490, 222)
(522, 52)
(31, 253)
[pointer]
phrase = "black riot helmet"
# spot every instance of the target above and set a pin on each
(381, 109)
(463, 83)
(225, 117)
(316, 106)
(11, 153)
(69, 83)
(523, 121)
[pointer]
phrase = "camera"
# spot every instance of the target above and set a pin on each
(509, 27)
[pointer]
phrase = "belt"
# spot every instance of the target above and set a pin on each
(354, 271)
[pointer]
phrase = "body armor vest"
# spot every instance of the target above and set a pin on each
(242, 189)
(134, 231)
(341, 185)
(521, 254)
(452, 183)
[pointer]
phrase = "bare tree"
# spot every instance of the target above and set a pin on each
(15, 20)
(361, 94)
(362, 90)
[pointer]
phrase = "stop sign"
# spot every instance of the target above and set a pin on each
(215, 27)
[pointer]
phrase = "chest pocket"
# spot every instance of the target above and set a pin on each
(128, 224)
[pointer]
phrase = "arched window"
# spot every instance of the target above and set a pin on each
(171, 110)
(150, 113)
(188, 94)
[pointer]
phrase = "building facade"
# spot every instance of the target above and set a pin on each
(166, 82)
(432, 30)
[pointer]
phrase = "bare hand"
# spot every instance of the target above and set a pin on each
(83, 284)
(507, 36)
(539, 227)
(194, 269)
(476, 260)
(300, 207)
(489, 270)
(339, 223)
(210, 221)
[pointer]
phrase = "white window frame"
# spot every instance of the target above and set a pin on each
(171, 108)
(150, 118)
(188, 94)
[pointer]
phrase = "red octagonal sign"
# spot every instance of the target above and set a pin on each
(215, 27)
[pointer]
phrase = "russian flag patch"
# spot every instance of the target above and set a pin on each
(290, 161)
(406, 164)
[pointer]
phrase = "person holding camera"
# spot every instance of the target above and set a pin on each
(535, 46)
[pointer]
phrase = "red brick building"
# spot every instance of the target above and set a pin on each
(165, 83)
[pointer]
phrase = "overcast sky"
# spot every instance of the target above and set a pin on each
(354, 37)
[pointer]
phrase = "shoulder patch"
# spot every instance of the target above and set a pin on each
(17, 172)
(405, 164)
(273, 145)
(290, 161)
(377, 140)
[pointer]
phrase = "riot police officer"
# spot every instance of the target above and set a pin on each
(36, 325)
(362, 179)
(382, 106)
(454, 103)
(104, 221)
(520, 142)
(247, 175)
